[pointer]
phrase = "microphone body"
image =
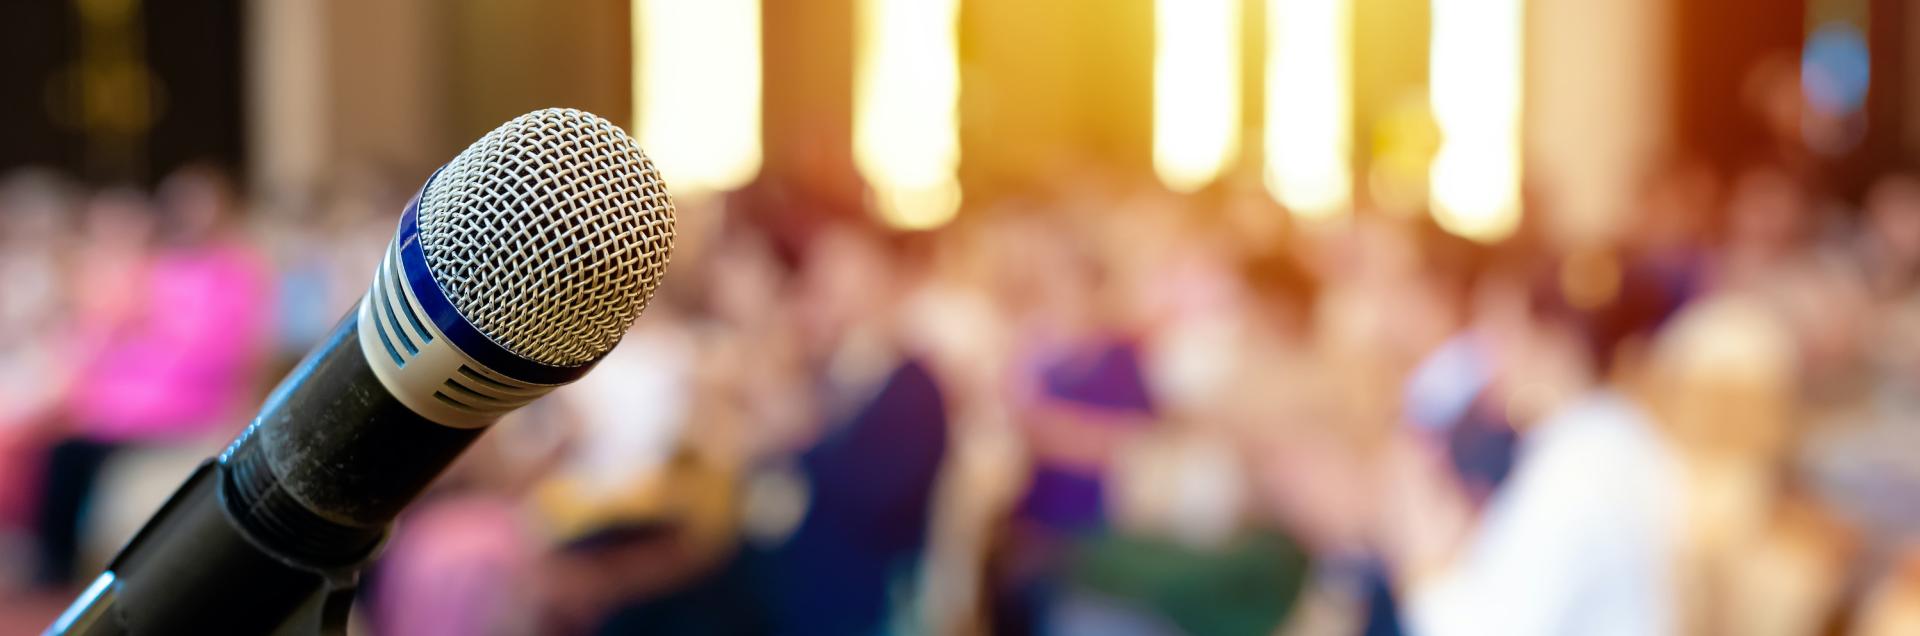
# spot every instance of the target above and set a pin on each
(270, 535)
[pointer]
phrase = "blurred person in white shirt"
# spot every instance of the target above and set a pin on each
(1580, 537)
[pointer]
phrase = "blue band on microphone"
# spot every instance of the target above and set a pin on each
(460, 333)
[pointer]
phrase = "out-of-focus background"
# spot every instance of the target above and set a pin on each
(1032, 316)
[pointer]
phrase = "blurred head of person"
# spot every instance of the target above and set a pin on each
(118, 218)
(1897, 353)
(197, 204)
(1723, 378)
(1045, 274)
(32, 197)
(1893, 231)
(959, 331)
(1610, 306)
(1282, 294)
(358, 196)
(744, 280)
(33, 210)
(33, 229)
(1680, 196)
(1367, 311)
(1767, 212)
(846, 282)
(118, 229)
(1772, 92)
(1757, 557)
(1829, 307)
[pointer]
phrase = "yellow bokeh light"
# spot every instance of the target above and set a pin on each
(1196, 90)
(906, 138)
(1309, 106)
(1476, 93)
(696, 91)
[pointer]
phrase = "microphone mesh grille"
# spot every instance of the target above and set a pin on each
(549, 234)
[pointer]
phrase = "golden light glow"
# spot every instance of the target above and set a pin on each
(1309, 101)
(696, 90)
(1196, 90)
(906, 138)
(1476, 93)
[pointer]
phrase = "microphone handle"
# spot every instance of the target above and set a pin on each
(334, 441)
(280, 524)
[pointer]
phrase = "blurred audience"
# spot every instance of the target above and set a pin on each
(1103, 409)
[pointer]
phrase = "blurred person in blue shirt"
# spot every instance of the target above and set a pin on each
(833, 534)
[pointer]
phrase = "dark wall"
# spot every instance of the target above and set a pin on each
(1719, 42)
(1889, 100)
(124, 91)
(508, 57)
(196, 48)
(36, 38)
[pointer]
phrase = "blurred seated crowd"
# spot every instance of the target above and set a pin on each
(1101, 409)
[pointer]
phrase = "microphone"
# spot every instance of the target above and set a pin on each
(515, 269)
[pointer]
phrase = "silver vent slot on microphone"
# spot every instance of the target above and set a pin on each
(401, 337)
(473, 391)
(422, 368)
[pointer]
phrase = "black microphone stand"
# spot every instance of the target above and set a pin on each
(194, 570)
(234, 551)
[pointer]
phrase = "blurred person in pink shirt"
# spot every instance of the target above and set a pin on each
(108, 276)
(172, 361)
(184, 360)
